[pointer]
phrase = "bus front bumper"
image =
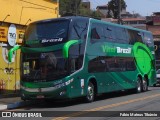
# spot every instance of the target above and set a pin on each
(44, 93)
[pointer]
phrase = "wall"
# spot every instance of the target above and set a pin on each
(9, 72)
(25, 11)
(15, 15)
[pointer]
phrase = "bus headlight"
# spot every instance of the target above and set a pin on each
(22, 87)
(62, 93)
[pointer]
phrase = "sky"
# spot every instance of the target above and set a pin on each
(143, 7)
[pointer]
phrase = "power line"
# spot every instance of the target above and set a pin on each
(154, 1)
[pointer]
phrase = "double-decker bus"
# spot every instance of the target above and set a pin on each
(81, 57)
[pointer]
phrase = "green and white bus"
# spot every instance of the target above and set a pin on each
(74, 57)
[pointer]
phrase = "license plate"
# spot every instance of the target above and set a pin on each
(40, 96)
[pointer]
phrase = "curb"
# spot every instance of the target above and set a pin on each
(3, 107)
(16, 105)
(17, 94)
(19, 104)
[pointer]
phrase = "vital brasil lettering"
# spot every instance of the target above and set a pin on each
(108, 49)
(122, 50)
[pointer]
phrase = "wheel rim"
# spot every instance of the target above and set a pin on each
(90, 93)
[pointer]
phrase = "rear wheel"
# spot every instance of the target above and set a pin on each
(49, 101)
(154, 85)
(145, 85)
(90, 92)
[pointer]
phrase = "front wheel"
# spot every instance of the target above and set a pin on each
(139, 86)
(90, 92)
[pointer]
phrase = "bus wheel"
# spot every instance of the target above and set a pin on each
(90, 92)
(145, 85)
(154, 85)
(139, 85)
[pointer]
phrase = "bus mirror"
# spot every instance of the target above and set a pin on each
(10, 53)
(67, 46)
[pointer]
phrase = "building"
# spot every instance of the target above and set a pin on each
(103, 10)
(86, 4)
(137, 22)
(15, 15)
(153, 25)
(134, 22)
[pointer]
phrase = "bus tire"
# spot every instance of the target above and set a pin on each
(145, 85)
(90, 92)
(154, 85)
(49, 101)
(23, 98)
(139, 85)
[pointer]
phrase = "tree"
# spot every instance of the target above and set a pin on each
(69, 7)
(113, 8)
(90, 13)
(75, 7)
(96, 15)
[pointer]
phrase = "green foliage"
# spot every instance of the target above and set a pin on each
(75, 7)
(96, 15)
(69, 7)
(113, 8)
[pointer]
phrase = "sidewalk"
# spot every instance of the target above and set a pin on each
(11, 102)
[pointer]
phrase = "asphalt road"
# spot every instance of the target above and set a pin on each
(113, 106)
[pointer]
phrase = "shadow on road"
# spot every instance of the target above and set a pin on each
(42, 104)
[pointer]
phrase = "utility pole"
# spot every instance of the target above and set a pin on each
(119, 12)
(76, 7)
(57, 8)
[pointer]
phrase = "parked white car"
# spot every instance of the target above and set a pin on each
(158, 77)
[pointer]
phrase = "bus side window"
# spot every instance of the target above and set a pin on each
(131, 37)
(97, 64)
(76, 52)
(135, 36)
(121, 35)
(75, 57)
(79, 30)
(139, 37)
(148, 39)
(109, 33)
(96, 33)
(130, 64)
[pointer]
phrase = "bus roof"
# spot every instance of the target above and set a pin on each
(92, 19)
(63, 18)
(119, 25)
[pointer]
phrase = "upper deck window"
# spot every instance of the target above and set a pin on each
(79, 30)
(47, 33)
(148, 39)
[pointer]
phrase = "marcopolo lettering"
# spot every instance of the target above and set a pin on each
(52, 40)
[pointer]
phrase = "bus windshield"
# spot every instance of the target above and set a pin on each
(47, 33)
(39, 67)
